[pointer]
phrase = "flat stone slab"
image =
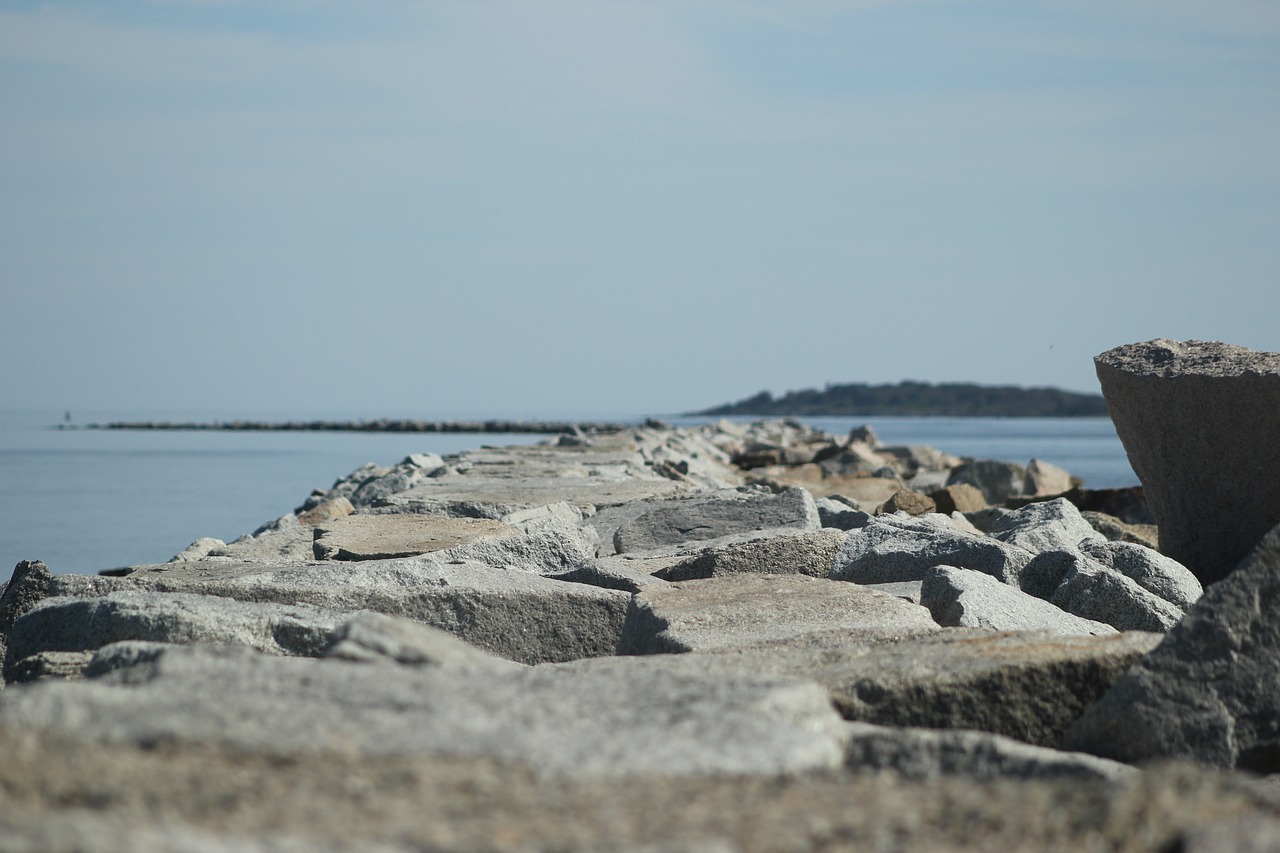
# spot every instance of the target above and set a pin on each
(929, 753)
(698, 516)
(1026, 685)
(1211, 692)
(499, 496)
(778, 552)
(584, 724)
(511, 612)
(384, 537)
(746, 610)
(63, 624)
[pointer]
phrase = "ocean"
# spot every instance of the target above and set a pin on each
(87, 500)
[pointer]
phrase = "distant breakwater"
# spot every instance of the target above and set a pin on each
(381, 425)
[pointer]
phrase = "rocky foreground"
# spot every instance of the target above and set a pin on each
(723, 638)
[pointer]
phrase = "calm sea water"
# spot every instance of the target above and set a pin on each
(84, 500)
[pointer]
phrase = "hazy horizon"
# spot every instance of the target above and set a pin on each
(575, 209)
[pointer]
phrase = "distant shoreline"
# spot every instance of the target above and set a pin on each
(915, 399)
(380, 425)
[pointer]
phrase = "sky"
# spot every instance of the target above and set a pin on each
(611, 208)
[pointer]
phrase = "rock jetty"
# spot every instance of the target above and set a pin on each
(732, 637)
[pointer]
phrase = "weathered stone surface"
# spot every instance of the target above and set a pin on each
(905, 500)
(961, 598)
(511, 612)
(1116, 530)
(840, 516)
(384, 537)
(559, 722)
(28, 585)
(83, 624)
(1044, 478)
(891, 548)
(1054, 525)
(339, 507)
(779, 552)
(1025, 685)
(1211, 691)
(626, 572)
(928, 753)
(1150, 569)
(376, 638)
(198, 549)
(42, 665)
(282, 540)
(1095, 591)
(1199, 421)
(66, 794)
(906, 590)
(745, 610)
(650, 524)
(494, 497)
(958, 497)
(998, 481)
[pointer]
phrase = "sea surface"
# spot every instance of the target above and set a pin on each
(86, 500)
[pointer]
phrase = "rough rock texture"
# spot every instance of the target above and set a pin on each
(958, 497)
(1044, 478)
(930, 753)
(25, 588)
(779, 552)
(511, 612)
(384, 537)
(1199, 421)
(745, 610)
(1054, 525)
(905, 500)
(998, 481)
(556, 721)
(647, 525)
(1150, 569)
(1026, 685)
(891, 549)
(84, 624)
(1211, 691)
(961, 598)
(377, 638)
(65, 794)
(1095, 591)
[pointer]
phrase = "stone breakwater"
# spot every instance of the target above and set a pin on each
(377, 425)
(723, 638)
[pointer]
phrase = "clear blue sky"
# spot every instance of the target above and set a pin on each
(616, 208)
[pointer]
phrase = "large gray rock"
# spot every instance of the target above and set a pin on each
(745, 610)
(83, 624)
(1026, 685)
(384, 537)
(928, 753)
(998, 481)
(1150, 570)
(377, 638)
(779, 552)
(651, 524)
(962, 598)
(511, 612)
(892, 549)
(1211, 691)
(1095, 591)
(1199, 421)
(1054, 525)
(28, 585)
(559, 722)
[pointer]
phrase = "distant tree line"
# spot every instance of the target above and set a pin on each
(920, 398)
